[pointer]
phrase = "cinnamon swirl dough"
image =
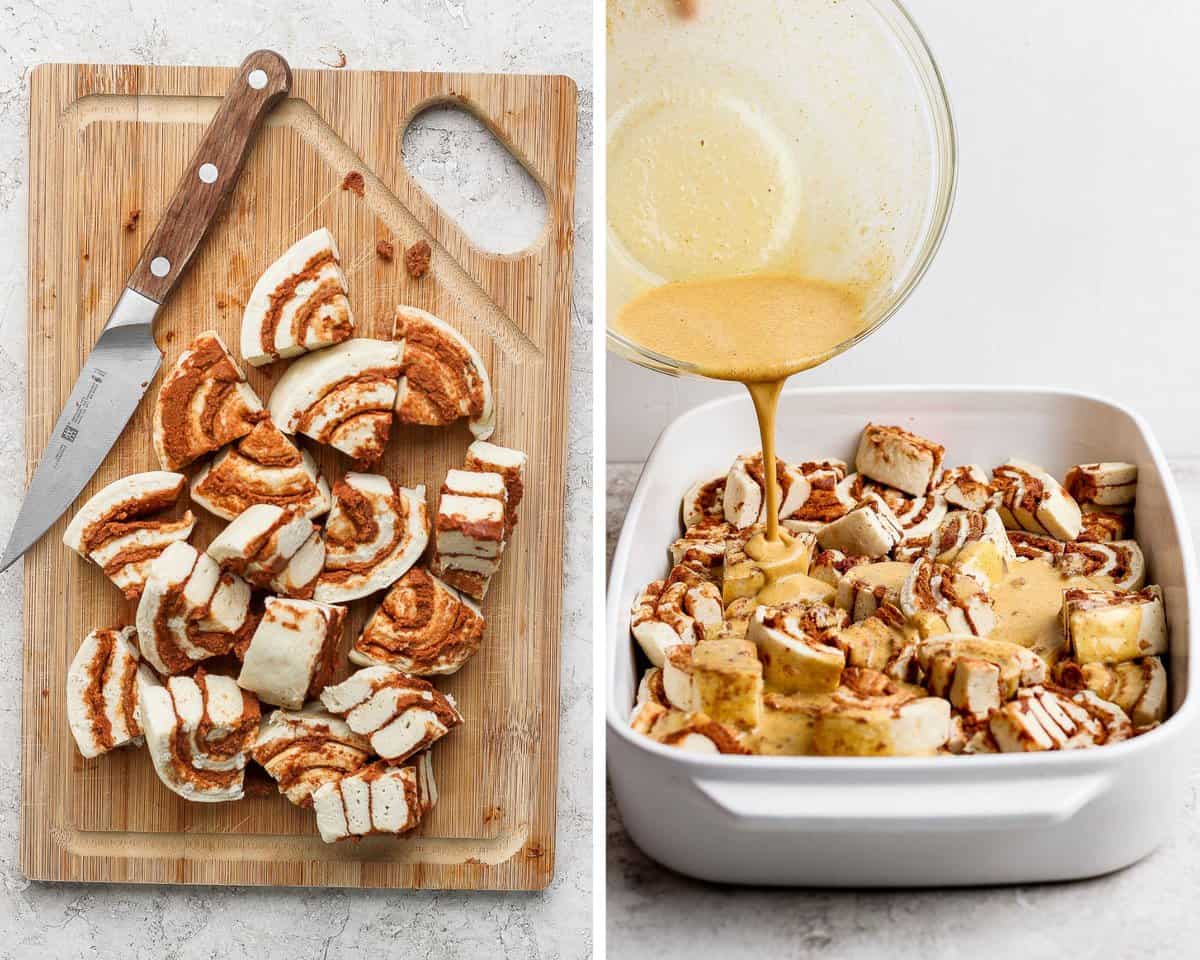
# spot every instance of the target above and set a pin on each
(303, 749)
(102, 702)
(298, 304)
(376, 532)
(400, 715)
(424, 627)
(262, 467)
(121, 529)
(259, 543)
(342, 396)
(1033, 500)
(291, 653)
(703, 500)
(380, 799)
(199, 731)
(470, 530)
(203, 404)
(299, 576)
(442, 378)
(485, 457)
(189, 610)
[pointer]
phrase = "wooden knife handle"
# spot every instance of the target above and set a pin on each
(263, 79)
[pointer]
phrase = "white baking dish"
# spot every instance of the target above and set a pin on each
(833, 821)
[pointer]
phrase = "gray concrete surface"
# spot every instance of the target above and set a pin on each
(75, 921)
(1146, 911)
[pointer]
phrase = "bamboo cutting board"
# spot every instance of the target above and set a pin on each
(106, 141)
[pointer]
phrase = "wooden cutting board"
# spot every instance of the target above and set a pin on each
(107, 142)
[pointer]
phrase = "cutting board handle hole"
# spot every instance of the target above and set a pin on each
(475, 179)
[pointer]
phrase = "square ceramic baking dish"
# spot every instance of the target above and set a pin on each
(834, 821)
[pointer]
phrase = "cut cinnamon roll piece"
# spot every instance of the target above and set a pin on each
(443, 378)
(290, 656)
(1033, 500)
(102, 702)
(470, 529)
(203, 404)
(968, 488)
(863, 589)
(691, 732)
(856, 487)
(376, 531)
(341, 396)
(189, 611)
(485, 457)
(977, 675)
(682, 609)
(868, 644)
(869, 530)
(1103, 626)
(1111, 484)
(798, 647)
(381, 798)
(400, 715)
(722, 678)
(1033, 546)
(703, 500)
(937, 599)
(822, 498)
(875, 716)
(975, 544)
(1018, 666)
(299, 576)
(829, 566)
(1041, 718)
(424, 627)
(963, 528)
(1104, 526)
(122, 530)
(651, 689)
(304, 749)
(702, 547)
(259, 543)
(298, 304)
(263, 467)
(920, 516)
(744, 499)
(1121, 563)
(199, 732)
(1139, 687)
(899, 459)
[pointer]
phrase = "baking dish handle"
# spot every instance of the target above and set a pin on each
(914, 806)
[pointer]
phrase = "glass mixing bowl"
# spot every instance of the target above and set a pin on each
(811, 137)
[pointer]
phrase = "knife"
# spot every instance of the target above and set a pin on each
(125, 357)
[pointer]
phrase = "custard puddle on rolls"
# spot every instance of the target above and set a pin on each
(981, 622)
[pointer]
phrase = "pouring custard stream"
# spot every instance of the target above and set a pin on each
(756, 330)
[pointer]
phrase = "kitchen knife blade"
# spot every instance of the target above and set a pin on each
(125, 357)
(110, 386)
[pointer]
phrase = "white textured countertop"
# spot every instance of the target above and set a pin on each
(77, 921)
(1145, 911)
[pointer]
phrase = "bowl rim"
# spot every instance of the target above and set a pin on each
(1175, 726)
(904, 30)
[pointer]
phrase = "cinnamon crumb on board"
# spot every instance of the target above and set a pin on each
(353, 181)
(416, 259)
(385, 250)
(132, 219)
(339, 63)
